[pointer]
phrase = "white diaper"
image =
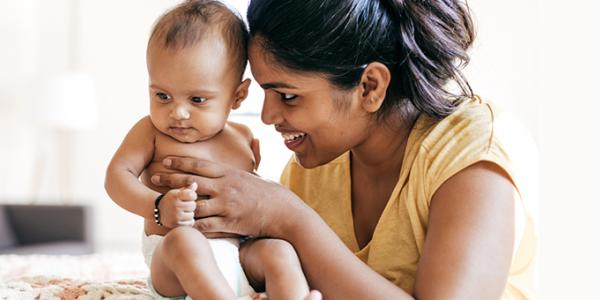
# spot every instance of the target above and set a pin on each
(226, 253)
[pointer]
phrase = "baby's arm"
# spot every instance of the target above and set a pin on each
(122, 176)
(124, 187)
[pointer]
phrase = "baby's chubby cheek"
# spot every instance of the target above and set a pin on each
(208, 128)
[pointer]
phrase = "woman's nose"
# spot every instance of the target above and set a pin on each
(271, 112)
(180, 112)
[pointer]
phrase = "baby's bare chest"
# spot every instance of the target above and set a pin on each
(228, 149)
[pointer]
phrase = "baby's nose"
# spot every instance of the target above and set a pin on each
(181, 113)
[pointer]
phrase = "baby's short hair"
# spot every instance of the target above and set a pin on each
(187, 23)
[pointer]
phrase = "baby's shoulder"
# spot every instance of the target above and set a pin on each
(240, 130)
(145, 124)
(142, 129)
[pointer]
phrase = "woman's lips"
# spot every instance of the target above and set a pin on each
(293, 140)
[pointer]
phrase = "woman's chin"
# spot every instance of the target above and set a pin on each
(309, 162)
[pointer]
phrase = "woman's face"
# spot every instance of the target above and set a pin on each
(317, 121)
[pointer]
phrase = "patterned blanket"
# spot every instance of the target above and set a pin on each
(109, 276)
(42, 287)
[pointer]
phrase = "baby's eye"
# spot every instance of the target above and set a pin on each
(163, 96)
(198, 99)
(287, 97)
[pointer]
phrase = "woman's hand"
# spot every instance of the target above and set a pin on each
(239, 202)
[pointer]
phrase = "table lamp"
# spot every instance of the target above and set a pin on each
(65, 104)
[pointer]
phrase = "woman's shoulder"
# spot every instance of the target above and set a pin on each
(471, 125)
(477, 131)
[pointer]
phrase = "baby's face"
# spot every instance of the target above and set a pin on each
(192, 90)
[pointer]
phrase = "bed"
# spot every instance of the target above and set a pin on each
(109, 276)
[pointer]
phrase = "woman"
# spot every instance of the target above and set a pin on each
(400, 187)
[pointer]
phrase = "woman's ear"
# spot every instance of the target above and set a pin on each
(374, 83)
(241, 93)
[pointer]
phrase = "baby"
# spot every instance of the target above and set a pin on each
(196, 58)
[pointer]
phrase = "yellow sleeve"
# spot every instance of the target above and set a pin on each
(286, 174)
(468, 138)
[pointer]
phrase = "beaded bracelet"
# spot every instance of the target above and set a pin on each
(156, 210)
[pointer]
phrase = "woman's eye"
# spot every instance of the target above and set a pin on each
(163, 96)
(198, 99)
(287, 97)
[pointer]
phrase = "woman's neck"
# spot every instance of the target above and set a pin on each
(382, 153)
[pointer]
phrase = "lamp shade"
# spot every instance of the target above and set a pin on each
(66, 101)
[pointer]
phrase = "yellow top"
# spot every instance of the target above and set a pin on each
(436, 150)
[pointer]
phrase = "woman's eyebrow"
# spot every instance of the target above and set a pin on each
(274, 85)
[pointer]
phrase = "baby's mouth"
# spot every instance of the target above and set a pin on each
(179, 129)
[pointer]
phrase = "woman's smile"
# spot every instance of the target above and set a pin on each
(293, 141)
(291, 138)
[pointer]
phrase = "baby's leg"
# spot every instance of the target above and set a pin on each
(274, 265)
(183, 263)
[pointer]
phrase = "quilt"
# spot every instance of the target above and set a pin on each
(107, 276)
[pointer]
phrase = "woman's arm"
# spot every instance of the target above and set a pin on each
(246, 204)
(122, 175)
(469, 243)
(467, 249)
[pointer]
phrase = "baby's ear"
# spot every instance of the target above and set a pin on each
(241, 93)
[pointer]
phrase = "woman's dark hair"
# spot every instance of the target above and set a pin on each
(423, 43)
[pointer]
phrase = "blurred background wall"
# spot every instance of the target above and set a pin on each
(538, 58)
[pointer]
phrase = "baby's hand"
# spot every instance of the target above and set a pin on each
(177, 207)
